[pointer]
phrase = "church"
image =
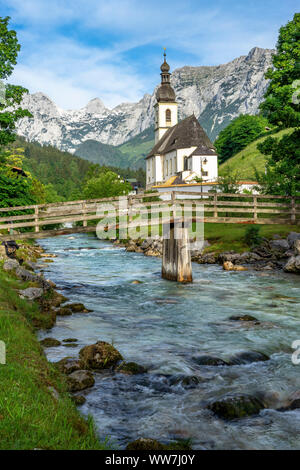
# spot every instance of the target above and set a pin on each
(183, 154)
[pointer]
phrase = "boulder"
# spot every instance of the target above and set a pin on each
(80, 380)
(229, 266)
(101, 355)
(78, 400)
(11, 265)
(246, 318)
(145, 444)
(11, 247)
(70, 340)
(293, 265)
(67, 365)
(229, 256)
(77, 308)
(279, 245)
(236, 406)
(296, 247)
(247, 357)
(64, 311)
(152, 252)
(3, 255)
(187, 381)
(130, 368)
(31, 293)
(209, 361)
(30, 265)
(207, 258)
(50, 342)
(292, 237)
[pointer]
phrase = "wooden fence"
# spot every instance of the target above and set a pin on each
(45, 220)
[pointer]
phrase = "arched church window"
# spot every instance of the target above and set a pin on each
(168, 115)
(185, 164)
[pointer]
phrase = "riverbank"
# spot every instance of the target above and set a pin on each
(36, 410)
(270, 248)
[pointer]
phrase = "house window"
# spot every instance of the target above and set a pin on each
(185, 164)
(168, 116)
(204, 173)
(171, 166)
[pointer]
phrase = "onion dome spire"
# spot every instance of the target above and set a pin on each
(165, 92)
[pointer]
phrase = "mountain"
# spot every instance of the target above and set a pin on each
(130, 154)
(215, 94)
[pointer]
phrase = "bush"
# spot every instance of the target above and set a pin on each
(252, 237)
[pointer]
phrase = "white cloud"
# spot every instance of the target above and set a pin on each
(74, 51)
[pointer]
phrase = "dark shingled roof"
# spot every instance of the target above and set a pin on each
(187, 133)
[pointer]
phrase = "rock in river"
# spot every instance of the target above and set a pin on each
(130, 368)
(77, 308)
(243, 318)
(247, 357)
(101, 355)
(67, 365)
(236, 406)
(145, 444)
(80, 380)
(209, 361)
(50, 342)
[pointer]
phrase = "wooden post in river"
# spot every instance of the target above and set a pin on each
(176, 261)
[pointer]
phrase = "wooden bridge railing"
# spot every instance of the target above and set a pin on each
(151, 208)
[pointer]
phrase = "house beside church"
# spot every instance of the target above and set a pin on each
(183, 155)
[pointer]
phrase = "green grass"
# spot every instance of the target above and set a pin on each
(30, 417)
(249, 158)
(226, 237)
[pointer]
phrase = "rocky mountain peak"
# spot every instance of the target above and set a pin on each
(215, 94)
(95, 106)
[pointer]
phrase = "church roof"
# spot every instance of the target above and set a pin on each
(187, 133)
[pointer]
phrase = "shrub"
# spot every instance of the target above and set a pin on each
(252, 237)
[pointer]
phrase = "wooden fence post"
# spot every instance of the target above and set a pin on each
(215, 206)
(293, 211)
(84, 214)
(255, 208)
(36, 219)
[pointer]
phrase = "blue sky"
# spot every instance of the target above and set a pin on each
(77, 50)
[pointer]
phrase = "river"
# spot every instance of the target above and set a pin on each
(162, 325)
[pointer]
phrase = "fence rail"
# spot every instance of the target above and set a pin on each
(35, 221)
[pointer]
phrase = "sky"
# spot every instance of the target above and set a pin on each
(76, 50)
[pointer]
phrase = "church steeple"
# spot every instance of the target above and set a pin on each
(165, 91)
(166, 106)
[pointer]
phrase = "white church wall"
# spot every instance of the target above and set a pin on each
(210, 167)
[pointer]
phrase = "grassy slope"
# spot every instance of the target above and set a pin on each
(226, 237)
(245, 161)
(29, 415)
(138, 147)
